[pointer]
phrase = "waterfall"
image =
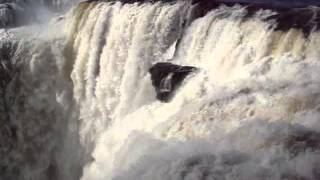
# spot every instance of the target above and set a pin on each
(84, 105)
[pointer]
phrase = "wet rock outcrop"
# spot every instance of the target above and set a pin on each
(167, 77)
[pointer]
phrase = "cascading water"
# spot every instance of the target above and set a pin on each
(84, 105)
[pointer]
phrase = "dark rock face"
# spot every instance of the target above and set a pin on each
(304, 15)
(270, 3)
(306, 19)
(167, 77)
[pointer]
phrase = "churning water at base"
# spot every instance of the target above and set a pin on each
(250, 112)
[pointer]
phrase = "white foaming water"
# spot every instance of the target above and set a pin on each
(248, 73)
(249, 113)
(114, 47)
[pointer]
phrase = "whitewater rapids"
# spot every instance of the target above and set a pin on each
(251, 112)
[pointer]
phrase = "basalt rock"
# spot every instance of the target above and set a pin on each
(167, 77)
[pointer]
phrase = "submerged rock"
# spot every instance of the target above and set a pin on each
(167, 77)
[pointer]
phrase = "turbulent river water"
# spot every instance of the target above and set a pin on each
(80, 102)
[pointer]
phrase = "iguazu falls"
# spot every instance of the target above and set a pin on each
(159, 90)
